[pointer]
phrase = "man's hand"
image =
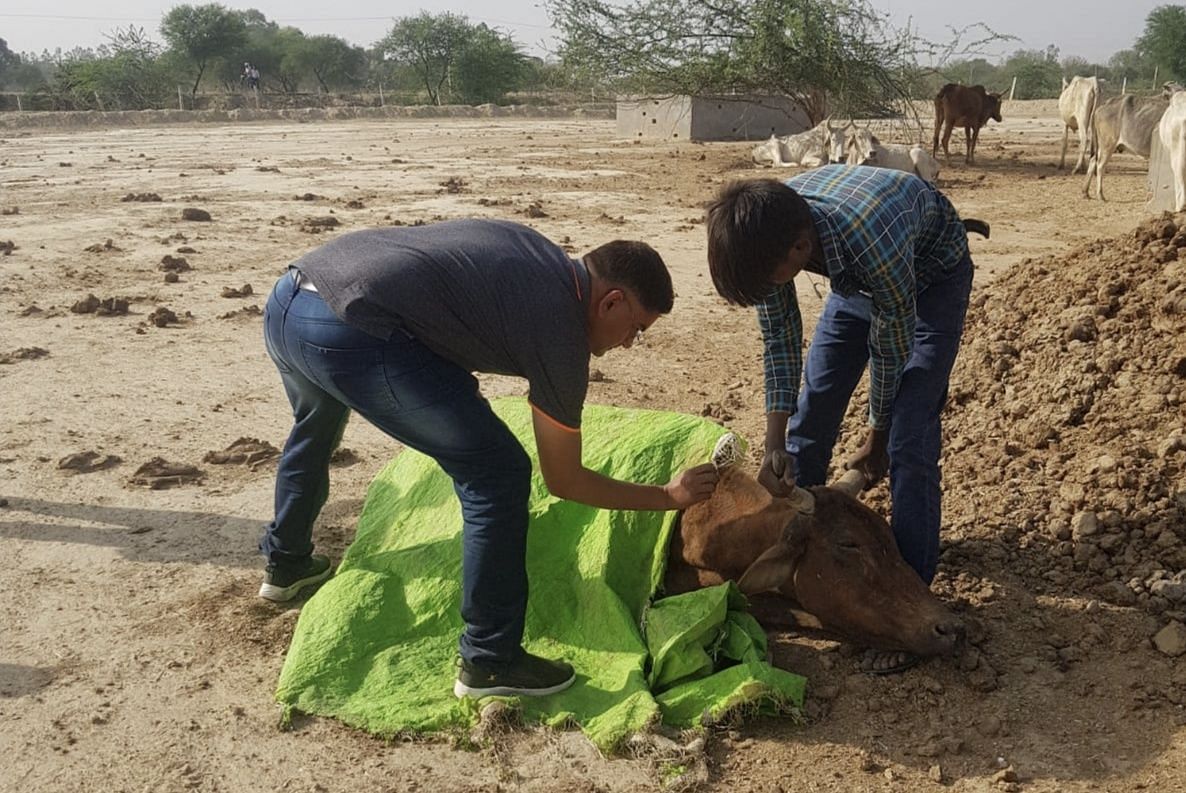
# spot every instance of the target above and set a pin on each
(692, 486)
(777, 473)
(872, 459)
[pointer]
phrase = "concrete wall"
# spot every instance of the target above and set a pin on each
(709, 118)
(642, 117)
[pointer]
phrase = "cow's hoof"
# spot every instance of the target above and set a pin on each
(730, 450)
(888, 662)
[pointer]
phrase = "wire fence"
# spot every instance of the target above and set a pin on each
(183, 99)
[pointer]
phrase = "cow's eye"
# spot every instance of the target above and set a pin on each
(848, 545)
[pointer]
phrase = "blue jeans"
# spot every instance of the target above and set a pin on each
(425, 402)
(836, 360)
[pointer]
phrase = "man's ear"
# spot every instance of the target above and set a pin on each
(610, 299)
(802, 243)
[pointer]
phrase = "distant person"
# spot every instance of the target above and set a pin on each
(253, 78)
(390, 323)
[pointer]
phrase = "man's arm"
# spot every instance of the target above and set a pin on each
(891, 341)
(782, 364)
(567, 477)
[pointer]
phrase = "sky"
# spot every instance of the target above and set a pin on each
(1093, 29)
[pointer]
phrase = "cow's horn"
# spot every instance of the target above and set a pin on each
(852, 483)
(802, 500)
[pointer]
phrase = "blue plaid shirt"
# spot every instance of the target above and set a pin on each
(885, 233)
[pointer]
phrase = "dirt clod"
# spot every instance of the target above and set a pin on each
(23, 354)
(251, 452)
(162, 317)
(159, 474)
(173, 264)
(103, 247)
(88, 462)
(194, 214)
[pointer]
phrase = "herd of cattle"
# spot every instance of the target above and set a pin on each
(1126, 123)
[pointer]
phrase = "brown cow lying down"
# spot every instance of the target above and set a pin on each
(836, 569)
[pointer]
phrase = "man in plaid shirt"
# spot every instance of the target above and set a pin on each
(896, 254)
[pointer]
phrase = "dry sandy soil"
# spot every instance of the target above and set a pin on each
(135, 655)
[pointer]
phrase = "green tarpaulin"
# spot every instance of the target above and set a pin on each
(376, 646)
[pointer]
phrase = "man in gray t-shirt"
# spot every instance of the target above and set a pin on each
(391, 323)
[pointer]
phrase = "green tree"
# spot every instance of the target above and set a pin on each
(203, 35)
(827, 55)
(489, 66)
(1038, 73)
(1164, 40)
(1131, 65)
(9, 61)
(333, 62)
(430, 44)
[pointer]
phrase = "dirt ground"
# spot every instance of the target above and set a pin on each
(135, 656)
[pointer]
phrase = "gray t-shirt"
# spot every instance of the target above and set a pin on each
(489, 295)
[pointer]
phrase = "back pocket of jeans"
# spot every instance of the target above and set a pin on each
(353, 375)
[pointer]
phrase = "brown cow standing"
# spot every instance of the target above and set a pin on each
(836, 569)
(968, 106)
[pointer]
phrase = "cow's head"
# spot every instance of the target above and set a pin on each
(992, 107)
(862, 147)
(834, 141)
(841, 565)
(767, 152)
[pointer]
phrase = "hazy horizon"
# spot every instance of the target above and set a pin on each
(1086, 28)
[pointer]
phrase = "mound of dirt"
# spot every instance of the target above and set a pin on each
(1067, 426)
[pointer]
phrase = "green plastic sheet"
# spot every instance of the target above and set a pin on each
(376, 646)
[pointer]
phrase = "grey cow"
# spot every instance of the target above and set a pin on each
(1123, 123)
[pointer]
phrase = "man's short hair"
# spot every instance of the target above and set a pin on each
(751, 227)
(637, 267)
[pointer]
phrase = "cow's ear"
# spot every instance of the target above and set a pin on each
(768, 572)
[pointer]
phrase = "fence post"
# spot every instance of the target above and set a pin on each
(19, 109)
(1124, 87)
(180, 102)
(381, 102)
(1155, 68)
(1013, 88)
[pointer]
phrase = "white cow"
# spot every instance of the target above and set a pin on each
(819, 145)
(1123, 123)
(1076, 103)
(1173, 138)
(865, 149)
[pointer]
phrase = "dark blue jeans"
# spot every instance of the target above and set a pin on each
(425, 402)
(836, 360)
